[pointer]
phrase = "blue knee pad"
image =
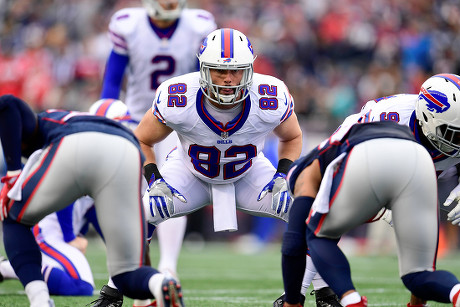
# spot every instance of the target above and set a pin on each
(135, 284)
(432, 286)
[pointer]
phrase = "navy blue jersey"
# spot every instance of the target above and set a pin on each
(55, 124)
(22, 131)
(358, 133)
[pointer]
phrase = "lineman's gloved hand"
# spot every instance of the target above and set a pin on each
(8, 182)
(161, 196)
(387, 217)
(454, 214)
(281, 199)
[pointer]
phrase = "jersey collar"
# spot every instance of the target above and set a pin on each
(166, 32)
(231, 127)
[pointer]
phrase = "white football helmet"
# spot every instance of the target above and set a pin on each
(157, 11)
(438, 112)
(226, 49)
(113, 109)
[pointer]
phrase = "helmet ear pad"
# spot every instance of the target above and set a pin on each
(226, 49)
(438, 112)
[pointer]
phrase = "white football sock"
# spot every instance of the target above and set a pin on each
(351, 298)
(170, 237)
(38, 294)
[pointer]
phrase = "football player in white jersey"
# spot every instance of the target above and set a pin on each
(222, 115)
(150, 45)
(434, 118)
(62, 244)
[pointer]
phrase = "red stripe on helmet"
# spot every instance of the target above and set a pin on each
(431, 98)
(227, 43)
(102, 110)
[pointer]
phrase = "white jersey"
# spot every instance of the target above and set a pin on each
(51, 225)
(153, 56)
(401, 109)
(217, 152)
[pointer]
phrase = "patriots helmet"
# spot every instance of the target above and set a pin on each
(156, 10)
(114, 109)
(226, 49)
(438, 112)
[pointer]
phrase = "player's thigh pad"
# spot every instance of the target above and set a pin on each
(114, 183)
(415, 214)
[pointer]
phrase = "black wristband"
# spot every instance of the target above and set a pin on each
(283, 166)
(151, 169)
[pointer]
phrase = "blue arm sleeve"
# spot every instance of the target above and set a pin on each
(65, 218)
(113, 76)
(17, 123)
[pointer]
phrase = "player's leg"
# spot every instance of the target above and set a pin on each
(116, 191)
(65, 268)
(247, 191)
(45, 190)
(170, 233)
(350, 208)
(417, 237)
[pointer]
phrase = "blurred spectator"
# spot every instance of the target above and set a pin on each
(333, 55)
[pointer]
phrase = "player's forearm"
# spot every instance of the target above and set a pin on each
(148, 152)
(290, 149)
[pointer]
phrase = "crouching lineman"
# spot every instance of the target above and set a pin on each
(345, 182)
(70, 155)
(222, 115)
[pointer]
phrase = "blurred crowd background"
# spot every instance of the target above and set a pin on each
(333, 55)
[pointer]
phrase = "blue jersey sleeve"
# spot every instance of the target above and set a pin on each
(113, 76)
(65, 218)
(17, 123)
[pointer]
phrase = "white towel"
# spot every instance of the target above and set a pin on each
(321, 203)
(16, 191)
(224, 207)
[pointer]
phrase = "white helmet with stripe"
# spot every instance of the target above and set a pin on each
(438, 112)
(226, 49)
(114, 109)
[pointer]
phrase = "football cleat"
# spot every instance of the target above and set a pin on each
(279, 302)
(325, 297)
(109, 297)
(170, 294)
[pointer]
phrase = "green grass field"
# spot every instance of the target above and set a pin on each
(219, 276)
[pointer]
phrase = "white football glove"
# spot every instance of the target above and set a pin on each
(281, 199)
(161, 196)
(387, 217)
(454, 214)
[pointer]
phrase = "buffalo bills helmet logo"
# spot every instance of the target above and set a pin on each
(250, 47)
(227, 60)
(435, 101)
(203, 46)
